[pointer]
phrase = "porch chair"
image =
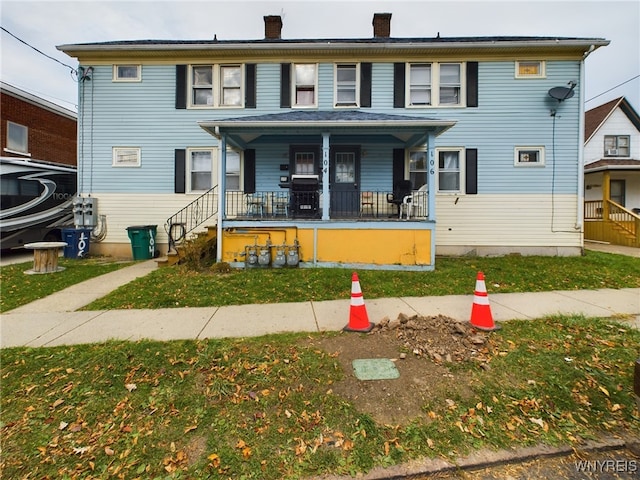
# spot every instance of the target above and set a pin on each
(401, 189)
(280, 204)
(366, 202)
(255, 204)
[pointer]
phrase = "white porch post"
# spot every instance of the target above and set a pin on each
(222, 188)
(325, 176)
(431, 176)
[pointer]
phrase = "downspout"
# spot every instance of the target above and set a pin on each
(581, 122)
(222, 188)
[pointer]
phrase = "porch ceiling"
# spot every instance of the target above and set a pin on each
(241, 131)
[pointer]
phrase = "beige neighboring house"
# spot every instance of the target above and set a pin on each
(612, 173)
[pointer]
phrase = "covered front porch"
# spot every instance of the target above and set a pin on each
(345, 188)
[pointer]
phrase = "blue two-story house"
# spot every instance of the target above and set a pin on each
(369, 153)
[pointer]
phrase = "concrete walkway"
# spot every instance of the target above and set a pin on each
(54, 320)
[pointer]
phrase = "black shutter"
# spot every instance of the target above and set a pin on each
(471, 171)
(249, 171)
(398, 165)
(365, 85)
(180, 170)
(398, 85)
(285, 85)
(181, 86)
(250, 85)
(472, 84)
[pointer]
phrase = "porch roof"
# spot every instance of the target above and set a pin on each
(241, 131)
(611, 164)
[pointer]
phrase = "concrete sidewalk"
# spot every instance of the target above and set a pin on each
(54, 320)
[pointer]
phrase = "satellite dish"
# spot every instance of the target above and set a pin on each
(561, 93)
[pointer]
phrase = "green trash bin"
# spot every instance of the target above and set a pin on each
(143, 241)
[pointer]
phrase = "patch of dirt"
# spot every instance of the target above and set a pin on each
(423, 350)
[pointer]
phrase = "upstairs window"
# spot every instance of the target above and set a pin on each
(231, 85)
(346, 82)
(435, 84)
(215, 86)
(530, 69)
(17, 138)
(305, 82)
(202, 86)
(420, 84)
(616, 145)
(127, 73)
(450, 84)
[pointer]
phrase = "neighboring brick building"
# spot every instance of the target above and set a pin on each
(34, 128)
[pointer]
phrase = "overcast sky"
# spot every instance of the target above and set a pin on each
(611, 71)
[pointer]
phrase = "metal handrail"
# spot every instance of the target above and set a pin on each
(179, 225)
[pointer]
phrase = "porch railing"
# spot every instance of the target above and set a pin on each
(179, 225)
(620, 219)
(283, 204)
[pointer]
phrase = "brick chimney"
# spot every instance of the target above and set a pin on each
(272, 27)
(381, 25)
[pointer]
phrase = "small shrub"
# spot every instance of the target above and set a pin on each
(198, 253)
(221, 267)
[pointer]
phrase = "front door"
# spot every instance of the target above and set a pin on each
(344, 182)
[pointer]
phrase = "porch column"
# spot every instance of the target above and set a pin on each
(431, 176)
(606, 194)
(325, 176)
(222, 188)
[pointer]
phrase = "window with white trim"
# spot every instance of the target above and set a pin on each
(305, 80)
(215, 86)
(530, 69)
(199, 169)
(450, 170)
(616, 145)
(529, 157)
(233, 170)
(126, 157)
(127, 73)
(435, 84)
(418, 168)
(347, 85)
(230, 86)
(420, 84)
(450, 84)
(202, 86)
(17, 138)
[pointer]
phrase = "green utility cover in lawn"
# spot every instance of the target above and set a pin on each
(375, 369)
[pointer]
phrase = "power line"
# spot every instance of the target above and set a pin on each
(613, 88)
(73, 70)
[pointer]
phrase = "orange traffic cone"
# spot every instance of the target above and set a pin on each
(358, 318)
(481, 317)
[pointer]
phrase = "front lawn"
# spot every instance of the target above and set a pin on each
(181, 287)
(269, 407)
